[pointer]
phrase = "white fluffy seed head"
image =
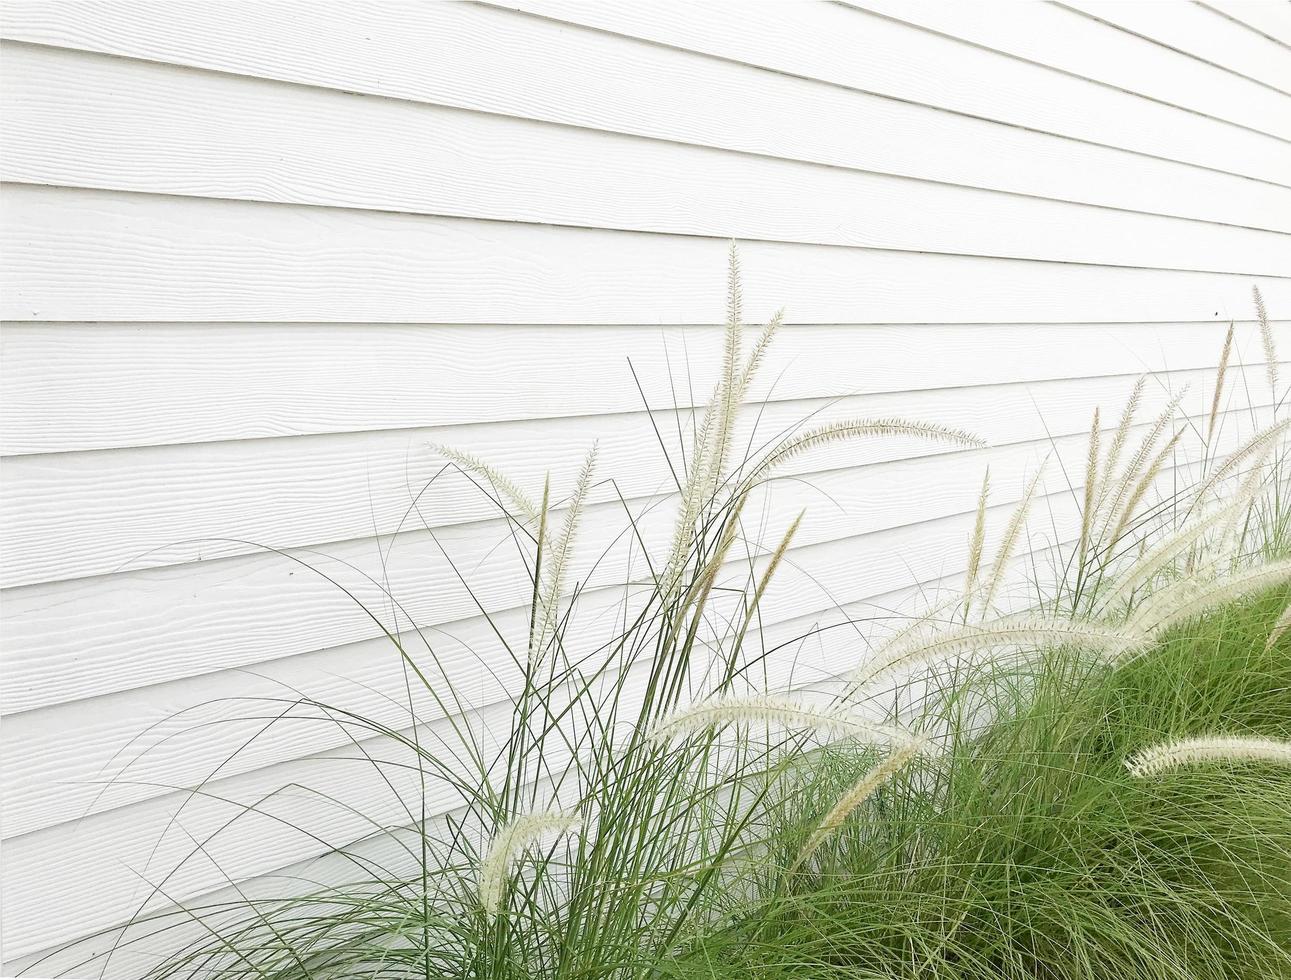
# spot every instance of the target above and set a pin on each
(860, 791)
(1012, 634)
(1188, 598)
(775, 711)
(507, 846)
(1224, 749)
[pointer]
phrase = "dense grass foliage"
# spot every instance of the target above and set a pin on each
(1028, 851)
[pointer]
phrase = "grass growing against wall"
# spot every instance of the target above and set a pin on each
(960, 806)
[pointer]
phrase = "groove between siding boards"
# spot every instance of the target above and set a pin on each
(28, 803)
(1198, 33)
(102, 635)
(1270, 20)
(81, 255)
(74, 387)
(834, 44)
(105, 123)
(1067, 41)
(498, 61)
(81, 515)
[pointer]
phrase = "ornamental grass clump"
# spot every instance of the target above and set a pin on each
(1092, 785)
(583, 839)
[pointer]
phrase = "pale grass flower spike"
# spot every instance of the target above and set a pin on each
(1221, 749)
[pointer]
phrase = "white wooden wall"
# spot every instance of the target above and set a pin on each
(259, 255)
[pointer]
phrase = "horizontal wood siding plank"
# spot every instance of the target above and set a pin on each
(847, 46)
(79, 386)
(1201, 33)
(499, 61)
(1064, 39)
(81, 514)
(89, 121)
(98, 255)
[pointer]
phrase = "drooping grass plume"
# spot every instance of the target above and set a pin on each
(1021, 633)
(502, 484)
(1252, 451)
(777, 711)
(900, 756)
(509, 844)
(1189, 598)
(856, 428)
(1224, 749)
(1160, 557)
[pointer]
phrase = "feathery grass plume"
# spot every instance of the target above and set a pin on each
(1091, 491)
(776, 557)
(774, 710)
(1011, 534)
(1152, 562)
(1253, 448)
(562, 550)
(1137, 464)
(1216, 748)
(1015, 633)
(860, 791)
(703, 583)
(731, 370)
(502, 484)
(1219, 384)
(976, 543)
(1279, 628)
(760, 347)
(507, 846)
(1266, 338)
(536, 602)
(1123, 432)
(711, 443)
(1140, 490)
(1186, 599)
(858, 428)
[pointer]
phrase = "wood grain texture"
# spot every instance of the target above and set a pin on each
(498, 61)
(80, 386)
(72, 515)
(846, 46)
(101, 255)
(1063, 39)
(1200, 33)
(89, 121)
